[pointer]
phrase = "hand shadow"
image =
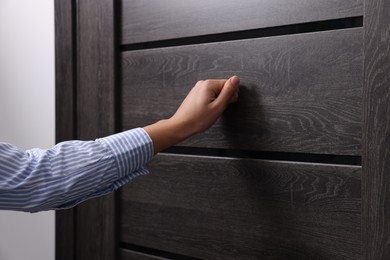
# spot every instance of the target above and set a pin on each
(244, 124)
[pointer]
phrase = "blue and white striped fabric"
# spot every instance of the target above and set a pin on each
(71, 171)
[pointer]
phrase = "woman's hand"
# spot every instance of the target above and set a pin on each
(200, 109)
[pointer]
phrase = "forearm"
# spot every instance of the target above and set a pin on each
(166, 133)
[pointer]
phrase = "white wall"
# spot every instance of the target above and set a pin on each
(27, 113)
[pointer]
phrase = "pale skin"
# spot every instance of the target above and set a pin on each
(203, 105)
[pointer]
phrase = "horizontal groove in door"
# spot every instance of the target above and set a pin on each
(338, 24)
(264, 155)
(299, 93)
(212, 208)
(156, 20)
(131, 252)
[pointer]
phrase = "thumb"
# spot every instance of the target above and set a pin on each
(229, 91)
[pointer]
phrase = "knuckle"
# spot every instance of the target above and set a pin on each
(207, 82)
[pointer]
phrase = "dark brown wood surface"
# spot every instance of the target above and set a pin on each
(132, 255)
(154, 20)
(65, 113)
(96, 233)
(376, 131)
(96, 69)
(65, 234)
(219, 208)
(65, 68)
(299, 93)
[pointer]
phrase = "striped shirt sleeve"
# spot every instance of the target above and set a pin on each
(70, 172)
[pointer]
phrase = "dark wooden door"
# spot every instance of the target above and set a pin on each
(297, 169)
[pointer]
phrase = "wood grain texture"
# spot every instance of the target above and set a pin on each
(376, 131)
(219, 208)
(96, 233)
(96, 69)
(65, 111)
(132, 255)
(153, 20)
(64, 70)
(299, 93)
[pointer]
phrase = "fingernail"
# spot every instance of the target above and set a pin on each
(235, 80)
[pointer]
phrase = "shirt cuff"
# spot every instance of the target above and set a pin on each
(132, 150)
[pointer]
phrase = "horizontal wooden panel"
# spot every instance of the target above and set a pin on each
(220, 208)
(299, 93)
(132, 255)
(153, 20)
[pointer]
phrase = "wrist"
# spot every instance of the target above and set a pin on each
(183, 128)
(172, 130)
(166, 133)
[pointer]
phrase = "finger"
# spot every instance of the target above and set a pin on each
(216, 85)
(229, 92)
